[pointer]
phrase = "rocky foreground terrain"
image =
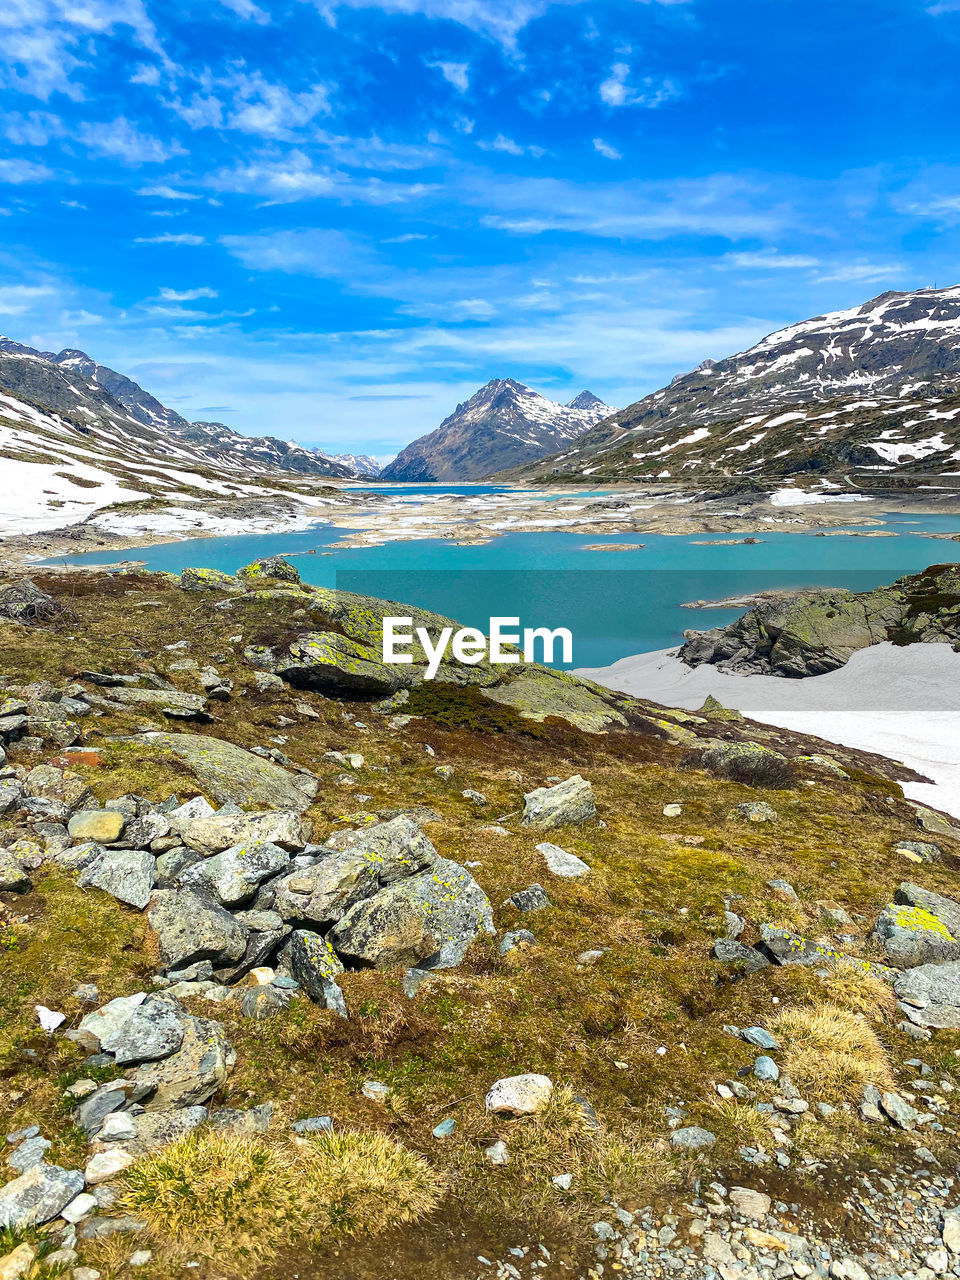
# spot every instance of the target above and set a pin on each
(311, 967)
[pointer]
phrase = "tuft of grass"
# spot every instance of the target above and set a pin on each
(240, 1198)
(740, 1124)
(831, 1052)
(358, 1183)
(851, 987)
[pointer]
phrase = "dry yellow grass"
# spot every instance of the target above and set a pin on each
(851, 987)
(831, 1052)
(240, 1198)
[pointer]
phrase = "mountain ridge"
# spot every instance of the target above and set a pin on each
(863, 387)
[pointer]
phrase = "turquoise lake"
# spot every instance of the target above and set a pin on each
(615, 603)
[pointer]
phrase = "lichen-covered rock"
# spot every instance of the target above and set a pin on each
(913, 929)
(275, 567)
(330, 663)
(321, 894)
(103, 826)
(207, 580)
(13, 878)
(37, 1196)
(230, 773)
(222, 831)
(568, 803)
(190, 928)
(154, 1030)
(785, 947)
(392, 849)
(540, 692)
(235, 875)
(126, 874)
(194, 1073)
(316, 966)
(428, 920)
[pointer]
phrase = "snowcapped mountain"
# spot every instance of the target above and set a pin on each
(872, 387)
(504, 424)
(361, 464)
(70, 380)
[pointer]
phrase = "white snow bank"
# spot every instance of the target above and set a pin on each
(34, 497)
(187, 522)
(903, 703)
(800, 498)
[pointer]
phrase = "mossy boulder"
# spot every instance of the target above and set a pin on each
(227, 772)
(207, 580)
(329, 663)
(540, 692)
(275, 567)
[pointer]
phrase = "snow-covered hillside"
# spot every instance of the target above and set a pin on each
(875, 386)
(504, 425)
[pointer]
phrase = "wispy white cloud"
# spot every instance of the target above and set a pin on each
(32, 129)
(170, 237)
(770, 259)
(162, 192)
(321, 252)
(121, 140)
(862, 273)
(186, 295)
(650, 92)
(605, 149)
(512, 148)
(247, 10)
(246, 101)
(281, 178)
(19, 171)
(15, 299)
(455, 73)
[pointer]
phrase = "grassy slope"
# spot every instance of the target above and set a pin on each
(655, 899)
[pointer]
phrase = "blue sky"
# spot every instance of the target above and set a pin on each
(331, 220)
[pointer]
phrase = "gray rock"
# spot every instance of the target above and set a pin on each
(313, 963)
(764, 1068)
(126, 874)
(393, 849)
(30, 1152)
(235, 875)
(560, 863)
(313, 1124)
(729, 951)
(757, 811)
(791, 948)
(13, 878)
(330, 663)
(760, 1038)
(323, 893)
(930, 994)
(253, 1120)
(428, 920)
(154, 1129)
(193, 1074)
(189, 928)
(569, 803)
(533, 898)
(898, 1110)
(517, 938)
(104, 1022)
(154, 1030)
(37, 1196)
(102, 826)
(919, 850)
(224, 830)
(692, 1138)
(783, 889)
(228, 772)
(260, 1003)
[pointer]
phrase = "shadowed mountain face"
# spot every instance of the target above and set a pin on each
(504, 425)
(72, 384)
(875, 386)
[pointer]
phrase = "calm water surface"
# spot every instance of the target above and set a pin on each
(615, 603)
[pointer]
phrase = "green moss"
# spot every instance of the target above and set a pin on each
(456, 707)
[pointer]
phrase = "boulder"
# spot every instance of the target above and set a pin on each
(102, 826)
(13, 878)
(330, 663)
(930, 994)
(275, 567)
(37, 1196)
(155, 1129)
(784, 947)
(126, 874)
(153, 1031)
(235, 875)
(207, 580)
(316, 967)
(749, 959)
(105, 1022)
(221, 831)
(24, 602)
(321, 894)
(392, 849)
(190, 928)
(542, 692)
(692, 1138)
(194, 1073)
(560, 863)
(911, 935)
(525, 1095)
(428, 920)
(230, 773)
(566, 804)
